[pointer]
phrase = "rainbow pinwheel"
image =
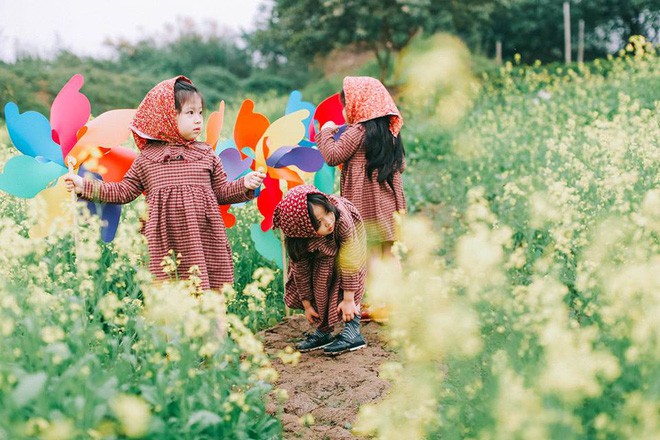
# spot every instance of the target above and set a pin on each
(282, 149)
(47, 144)
(330, 109)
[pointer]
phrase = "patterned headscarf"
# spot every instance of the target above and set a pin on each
(367, 98)
(156, 117)
(291, 213)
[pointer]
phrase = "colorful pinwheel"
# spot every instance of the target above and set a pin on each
(47, 144)
(283, 150)
(330, 109)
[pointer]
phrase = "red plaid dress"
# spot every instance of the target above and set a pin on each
(184, 182)
(334, 263)
(376, 202)
(183, 186)
(366, 98)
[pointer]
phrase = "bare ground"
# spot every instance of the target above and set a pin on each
(330, 389)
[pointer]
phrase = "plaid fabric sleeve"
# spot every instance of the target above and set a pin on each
(124, 191)
(338, 151)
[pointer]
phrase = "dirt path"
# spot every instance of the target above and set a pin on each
(330, 389)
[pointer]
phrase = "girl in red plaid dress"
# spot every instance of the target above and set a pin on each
(372, 157)
(326, 243)
(183, 181)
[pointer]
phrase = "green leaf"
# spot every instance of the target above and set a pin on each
(29, 387)
(203, 419)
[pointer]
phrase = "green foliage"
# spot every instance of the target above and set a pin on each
(535, 288)
(535, 29)
(299, 30)
(216, 84)
(91, 347)
(260, 83)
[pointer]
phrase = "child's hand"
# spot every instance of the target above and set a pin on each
(329, 124)
(254, 179)
(73, 182)
(311, 315)
(348, 310)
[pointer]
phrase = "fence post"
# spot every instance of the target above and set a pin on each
(498, 52)
(567, 32)
(580, 54)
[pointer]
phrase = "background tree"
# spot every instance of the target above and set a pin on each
(298, 30)
(534, 28)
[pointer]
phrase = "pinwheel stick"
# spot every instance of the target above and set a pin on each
(71, 161)
(287, 311)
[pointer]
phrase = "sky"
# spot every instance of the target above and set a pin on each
(41, 27)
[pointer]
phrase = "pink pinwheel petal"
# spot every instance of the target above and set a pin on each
(69, 112)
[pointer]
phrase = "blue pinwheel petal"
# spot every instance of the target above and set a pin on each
(307, 159)
(25, 176)
(324, 179)
(296, 103)
(31, 133)
(110, 214)
(267, 244)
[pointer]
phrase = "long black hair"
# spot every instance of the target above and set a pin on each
(385, 151)
(297, 246)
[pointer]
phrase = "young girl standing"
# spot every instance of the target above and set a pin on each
(326, 243)
(372, 157)
(183, 181)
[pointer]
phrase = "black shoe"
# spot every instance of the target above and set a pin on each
(342, 345)
(313, 342)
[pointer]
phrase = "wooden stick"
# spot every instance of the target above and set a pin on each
(71, 161)
(287, 311)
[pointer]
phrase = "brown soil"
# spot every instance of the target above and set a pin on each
(330, 389)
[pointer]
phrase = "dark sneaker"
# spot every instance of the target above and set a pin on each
(342, 345)
(314, 342)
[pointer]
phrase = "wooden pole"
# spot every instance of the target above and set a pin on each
(71, 161)
(580, 54)
(498, 52)
(567, 32)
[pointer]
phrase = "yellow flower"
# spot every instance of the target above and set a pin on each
(58, 430)
(52, 334)
(289, 356)
(306, 420)
(133, 415)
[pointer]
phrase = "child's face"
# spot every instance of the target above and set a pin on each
(326, 220)
(190, 120)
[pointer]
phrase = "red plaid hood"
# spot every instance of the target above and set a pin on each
(291, 213)
(367, 98)
(156, 117)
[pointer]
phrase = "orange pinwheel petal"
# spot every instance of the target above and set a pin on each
(249, 127)
(214, 125)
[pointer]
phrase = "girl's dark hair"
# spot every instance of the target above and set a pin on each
(183, 92)
(297, 246)
(385, 151)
